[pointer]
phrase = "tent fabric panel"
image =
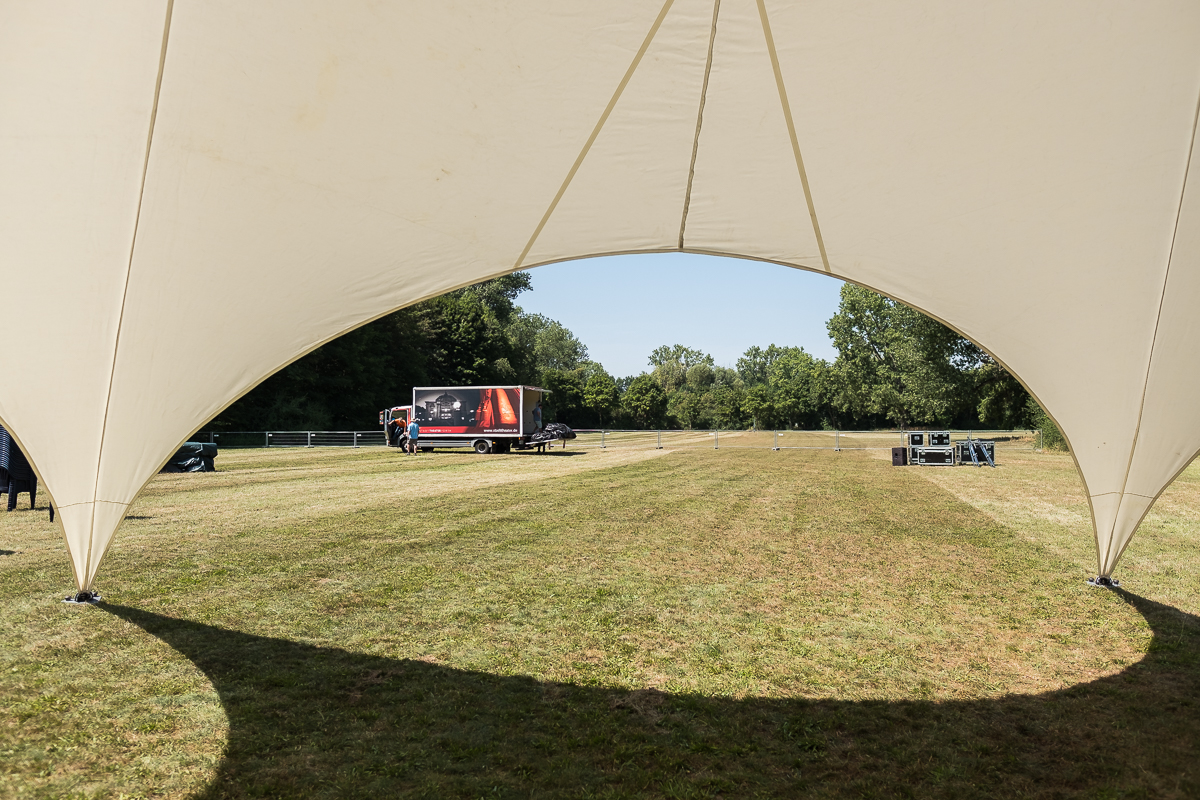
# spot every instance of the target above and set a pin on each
(108, 518)
(747, 197)
(629, 192)
(1105, 510)
(76, 93)
(934, 184)
(392, 108)
(294, 122)
(1129, 514)
(1168, 436)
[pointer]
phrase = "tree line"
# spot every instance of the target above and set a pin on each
(895, 367)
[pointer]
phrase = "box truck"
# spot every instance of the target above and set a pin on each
(489, 419)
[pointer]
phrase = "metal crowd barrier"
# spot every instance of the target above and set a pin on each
(783, 439)
(605, 438)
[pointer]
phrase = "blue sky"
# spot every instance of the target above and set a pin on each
(622, 307)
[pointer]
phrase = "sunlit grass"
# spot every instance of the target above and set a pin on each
(607, 623)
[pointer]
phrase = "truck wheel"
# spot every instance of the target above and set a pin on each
(483, 447)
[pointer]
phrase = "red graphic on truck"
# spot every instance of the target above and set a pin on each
(467, 411)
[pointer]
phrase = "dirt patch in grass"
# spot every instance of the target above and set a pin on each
(701, 624)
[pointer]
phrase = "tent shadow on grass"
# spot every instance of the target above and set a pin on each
(322, 722)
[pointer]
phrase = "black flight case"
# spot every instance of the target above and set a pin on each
(940, 456)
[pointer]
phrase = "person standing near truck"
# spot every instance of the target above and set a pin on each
(537, 416)
(414, 431)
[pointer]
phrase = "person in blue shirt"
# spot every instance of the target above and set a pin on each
(414, 430)
(537, 416)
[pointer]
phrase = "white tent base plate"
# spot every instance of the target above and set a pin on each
(83, 598)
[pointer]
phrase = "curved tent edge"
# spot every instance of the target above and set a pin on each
(197, 424)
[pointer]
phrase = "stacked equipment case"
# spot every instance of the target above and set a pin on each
(934, 447)
(939, 456)
(930, 448)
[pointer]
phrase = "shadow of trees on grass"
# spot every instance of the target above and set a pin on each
(310, 721)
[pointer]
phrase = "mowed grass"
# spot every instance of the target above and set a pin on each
(325, 623)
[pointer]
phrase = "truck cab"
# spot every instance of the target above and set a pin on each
(395, 424)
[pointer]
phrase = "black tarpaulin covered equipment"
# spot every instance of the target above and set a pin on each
(192, 457)
(553, 432)
(16, 474)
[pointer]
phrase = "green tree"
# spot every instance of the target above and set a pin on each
(600, 396)
(727, 405)
(686, 357)
(755, 364)
(499, 295)
(590, 369)
(673, 364)
(565, 403)
(558, 348)
(690, 407)
(466, 332)
(724, 376)
(645, 402)
(671, 376)
(1052, 438)
(823, 386)
(543, 344)
(1004, 402)
(895, 362)
(465, 343)
(793, 376)
(701, 376)
(759, 404)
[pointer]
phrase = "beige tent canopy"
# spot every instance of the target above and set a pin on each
(1019, 170)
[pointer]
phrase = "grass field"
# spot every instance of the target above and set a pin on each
(622, 623)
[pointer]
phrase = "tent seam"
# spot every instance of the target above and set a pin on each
(687, 197)
(1154, 338)
(162, 59)
(791, 126)
(612, 103)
